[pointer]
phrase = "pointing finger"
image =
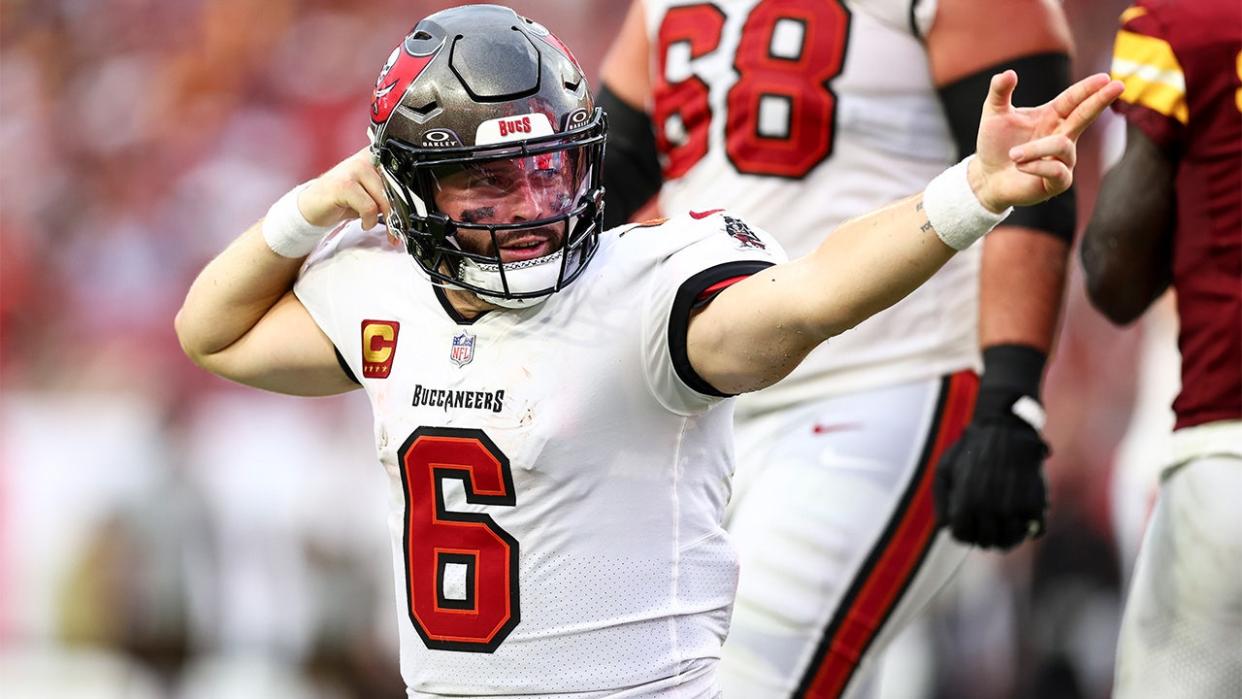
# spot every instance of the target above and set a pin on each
(1091, 108)
(1075, 94)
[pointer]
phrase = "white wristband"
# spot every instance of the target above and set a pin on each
(287, 231)
(955, 212)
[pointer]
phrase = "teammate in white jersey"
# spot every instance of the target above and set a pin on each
(559, 453)
(801, 115)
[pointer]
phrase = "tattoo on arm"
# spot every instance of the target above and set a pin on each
(927, 226)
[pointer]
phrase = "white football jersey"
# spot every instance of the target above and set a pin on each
(557, 481)
(742, 93)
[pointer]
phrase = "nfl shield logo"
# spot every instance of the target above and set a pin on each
(462, 352)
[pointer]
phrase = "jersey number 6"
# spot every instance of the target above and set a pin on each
(786, 54)
(461, 568)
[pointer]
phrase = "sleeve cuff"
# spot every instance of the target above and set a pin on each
(694, 293)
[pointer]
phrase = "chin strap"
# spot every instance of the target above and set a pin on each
(530, 276)
(515, 303)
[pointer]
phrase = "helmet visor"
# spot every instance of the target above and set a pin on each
(519, 190)
(508, 221)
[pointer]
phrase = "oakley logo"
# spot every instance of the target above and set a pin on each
(577, 118)
(440, 138)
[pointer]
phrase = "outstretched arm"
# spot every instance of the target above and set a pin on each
(758, 330)
(240, 319)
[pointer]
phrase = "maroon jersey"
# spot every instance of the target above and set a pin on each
(1181, 62)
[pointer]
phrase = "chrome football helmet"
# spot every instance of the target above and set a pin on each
(491, 150)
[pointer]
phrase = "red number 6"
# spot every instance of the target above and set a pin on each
(485, 610)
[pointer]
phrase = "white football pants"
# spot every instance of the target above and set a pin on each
(834, 524)
(1181, 633)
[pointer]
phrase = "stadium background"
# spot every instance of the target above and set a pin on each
(166, 534)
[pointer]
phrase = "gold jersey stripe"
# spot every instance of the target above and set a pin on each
(1157, 97)
(1146, 50)
(1151, 73)
(1238, 95)
(1132, 13)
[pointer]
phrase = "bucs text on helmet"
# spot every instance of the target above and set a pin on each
(490, 106)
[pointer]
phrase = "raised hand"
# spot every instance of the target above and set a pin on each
(1026, 155)
(351, 189)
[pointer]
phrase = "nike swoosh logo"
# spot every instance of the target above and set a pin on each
(704, 214)
(819, 428)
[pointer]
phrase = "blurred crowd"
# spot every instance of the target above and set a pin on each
(165, 534)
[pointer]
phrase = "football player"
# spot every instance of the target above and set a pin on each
(552, 401)
(1170, 213)
(802, 115)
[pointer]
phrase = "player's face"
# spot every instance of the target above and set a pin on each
(513, 190)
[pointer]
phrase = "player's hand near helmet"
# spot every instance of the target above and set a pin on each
(351, 189)
(241, 320)
(1027, 155)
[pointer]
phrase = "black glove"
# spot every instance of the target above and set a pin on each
(989, 487)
